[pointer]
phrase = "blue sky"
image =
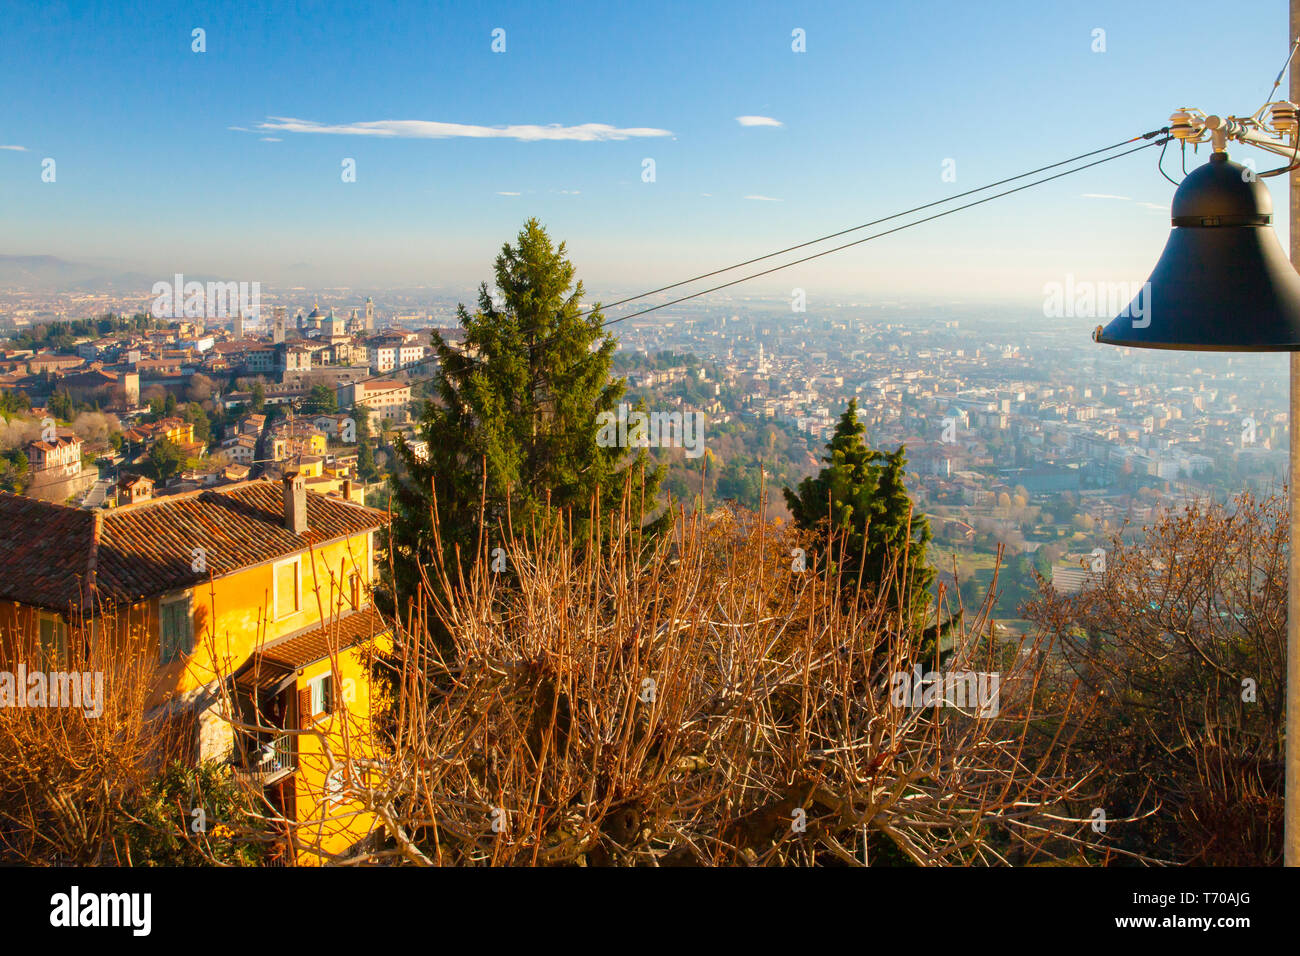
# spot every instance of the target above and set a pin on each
(175, 161)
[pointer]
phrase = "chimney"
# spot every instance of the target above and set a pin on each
(295, 502)
(347, 489)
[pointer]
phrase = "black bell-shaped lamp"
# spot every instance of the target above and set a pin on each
(1223, 282)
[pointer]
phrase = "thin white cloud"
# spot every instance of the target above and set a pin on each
(1145, 205)
(758, 121)
(272, 139)
(428, 129)
(16, 149)
(764, 198)
(508, 194)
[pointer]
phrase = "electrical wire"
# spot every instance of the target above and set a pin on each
(1160, 163)
(1150, 136)
(1295, 154)
(868, 225)
(857, 242)
(1280, 73)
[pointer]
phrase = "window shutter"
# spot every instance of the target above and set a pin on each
(164, 637)
(304, 708)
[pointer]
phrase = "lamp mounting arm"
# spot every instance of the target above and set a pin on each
(1274, 128)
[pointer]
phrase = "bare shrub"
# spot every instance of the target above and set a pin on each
(694, 700)
(1183, 640)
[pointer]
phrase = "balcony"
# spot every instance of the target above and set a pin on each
(264, 759)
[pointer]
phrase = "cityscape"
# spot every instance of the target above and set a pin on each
(723, 436)
(1015, 436)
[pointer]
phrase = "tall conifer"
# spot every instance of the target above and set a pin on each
(513, 418)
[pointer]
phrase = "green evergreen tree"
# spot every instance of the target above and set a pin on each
(61, 405)
(13, 403)
(861, 498)
(321, 400)
(164, 459)
(514, 417)
(195, 415)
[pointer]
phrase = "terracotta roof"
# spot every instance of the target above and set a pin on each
(82, 379)
(45, 552)
(52, 555)
(299, 650)
(276, 661)
(59, 442)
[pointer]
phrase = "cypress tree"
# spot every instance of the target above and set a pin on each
(860, 498)
(513, 419)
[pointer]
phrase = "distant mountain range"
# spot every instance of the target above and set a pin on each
(52, 274)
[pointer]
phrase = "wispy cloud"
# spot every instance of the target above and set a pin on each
(272, 139)
(764, 198)
(428, 129)
(1145, 205)
(501, 193)
(758, 121)
(16, 149)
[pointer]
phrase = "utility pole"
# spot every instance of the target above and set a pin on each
(1291, 818)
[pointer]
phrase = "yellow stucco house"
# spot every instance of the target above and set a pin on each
(253, 604)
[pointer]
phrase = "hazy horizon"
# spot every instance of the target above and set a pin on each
(231, 162)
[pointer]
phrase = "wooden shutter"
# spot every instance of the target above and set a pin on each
(166, 636)
(304, 708)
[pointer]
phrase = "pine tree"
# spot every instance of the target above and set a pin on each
(513, 420)
(860, 498)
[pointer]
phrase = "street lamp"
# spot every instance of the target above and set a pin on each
(1224, 284)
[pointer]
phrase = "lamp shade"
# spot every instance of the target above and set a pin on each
(1223, 282)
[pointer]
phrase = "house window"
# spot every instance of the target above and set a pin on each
(322, 694)
(54, 640)
(354, 590)
(176, 627)
(288, 588)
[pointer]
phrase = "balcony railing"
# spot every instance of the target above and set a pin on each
(268, 757)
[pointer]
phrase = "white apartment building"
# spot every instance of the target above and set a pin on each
(384, 398)
(61, 454)
(386, 353)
